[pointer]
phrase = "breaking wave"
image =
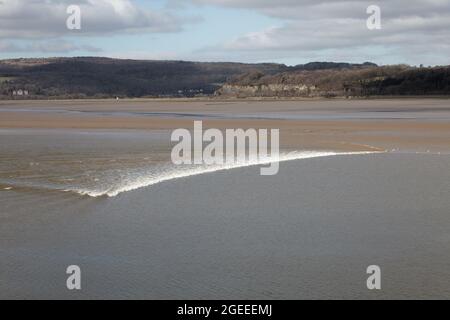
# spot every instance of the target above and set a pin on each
(144, 179)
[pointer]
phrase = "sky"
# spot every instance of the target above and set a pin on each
(282, 31)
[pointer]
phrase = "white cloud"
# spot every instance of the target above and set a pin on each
(47, 18)
(300, 9)
(328, 28)
(413, 31)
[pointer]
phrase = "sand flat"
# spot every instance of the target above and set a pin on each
(406, 124)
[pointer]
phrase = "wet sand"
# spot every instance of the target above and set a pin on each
(410, 124)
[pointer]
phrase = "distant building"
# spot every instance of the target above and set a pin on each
(20, 93)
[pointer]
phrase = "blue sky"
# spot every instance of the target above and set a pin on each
(283, 31)
(212, 26)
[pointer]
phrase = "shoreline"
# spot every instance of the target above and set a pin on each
(232, 99)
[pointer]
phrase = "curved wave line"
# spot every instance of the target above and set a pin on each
(149, 181)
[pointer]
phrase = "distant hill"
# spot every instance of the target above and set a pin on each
(103, 77)
(91, 77)
(312, 66)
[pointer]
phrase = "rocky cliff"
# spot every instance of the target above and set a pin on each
(354, 81)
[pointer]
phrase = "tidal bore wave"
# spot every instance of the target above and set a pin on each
(111, 183)
(145, 180)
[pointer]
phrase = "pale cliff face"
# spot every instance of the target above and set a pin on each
(270, 90)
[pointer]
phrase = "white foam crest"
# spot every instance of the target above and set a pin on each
(143, 181)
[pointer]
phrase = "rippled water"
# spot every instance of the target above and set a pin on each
(307, 233)
(215, 233)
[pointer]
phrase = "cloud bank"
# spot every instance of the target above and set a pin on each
(413, 31)
(40, 19)
(418, 30)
